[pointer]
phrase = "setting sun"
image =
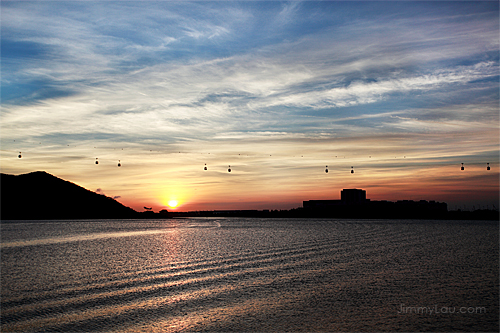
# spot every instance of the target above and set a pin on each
(173, 203)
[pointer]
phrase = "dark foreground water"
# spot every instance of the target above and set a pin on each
(239, 274)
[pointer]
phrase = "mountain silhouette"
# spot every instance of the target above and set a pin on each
(39, 195)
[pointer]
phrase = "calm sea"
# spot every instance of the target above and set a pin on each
(238, 274)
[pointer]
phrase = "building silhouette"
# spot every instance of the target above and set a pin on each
(353, 203)
(353, 195)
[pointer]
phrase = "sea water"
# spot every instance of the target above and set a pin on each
(246, 274)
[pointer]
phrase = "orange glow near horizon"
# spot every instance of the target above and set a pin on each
(276, 188)
(279, 171)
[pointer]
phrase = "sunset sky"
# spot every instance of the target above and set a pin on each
(404, 92)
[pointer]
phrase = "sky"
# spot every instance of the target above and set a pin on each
(401, 92)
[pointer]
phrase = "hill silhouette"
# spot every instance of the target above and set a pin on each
(39, 195)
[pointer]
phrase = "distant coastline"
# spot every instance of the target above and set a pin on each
(483, 214)
(41, 196)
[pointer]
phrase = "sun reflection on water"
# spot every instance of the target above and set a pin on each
(247, 275)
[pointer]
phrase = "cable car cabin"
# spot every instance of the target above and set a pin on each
(462, 167)
(488, 167)
(119, 164)
(96, 161)
(352, 170)
(205, 168)
(229, 169)
(326, 170)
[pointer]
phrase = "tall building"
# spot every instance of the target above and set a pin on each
(353, 195)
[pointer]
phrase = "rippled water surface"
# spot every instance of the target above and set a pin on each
(239, 274)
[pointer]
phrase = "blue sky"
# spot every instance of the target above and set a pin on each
(242, 81)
